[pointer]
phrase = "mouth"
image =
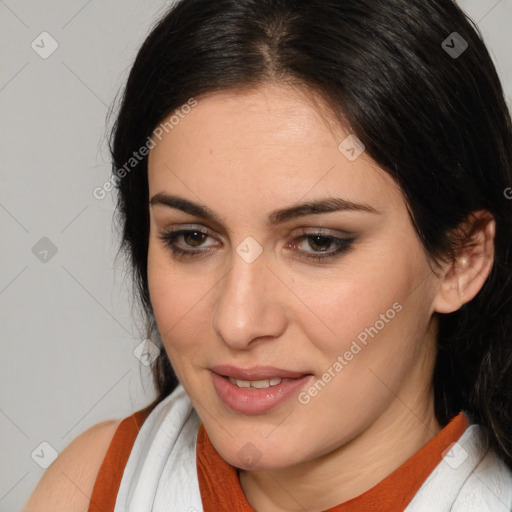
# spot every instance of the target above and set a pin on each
(256, 390)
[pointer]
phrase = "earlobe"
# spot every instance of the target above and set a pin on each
(465, 277)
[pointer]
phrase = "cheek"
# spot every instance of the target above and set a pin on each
(372, 329)
(375, 344)
(358, 301)
(179, 302)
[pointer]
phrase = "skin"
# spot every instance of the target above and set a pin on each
(244, 154)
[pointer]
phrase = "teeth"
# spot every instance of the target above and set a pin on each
(258, 384)
(241, 383)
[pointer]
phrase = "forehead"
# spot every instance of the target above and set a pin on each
(276, 141)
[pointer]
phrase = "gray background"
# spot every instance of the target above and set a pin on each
(69, 327)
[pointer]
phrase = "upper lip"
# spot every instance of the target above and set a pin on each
(256, 372)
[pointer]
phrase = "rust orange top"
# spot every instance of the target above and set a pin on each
(221, 490)
(109, 477)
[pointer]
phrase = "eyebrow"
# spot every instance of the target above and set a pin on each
(330, 204)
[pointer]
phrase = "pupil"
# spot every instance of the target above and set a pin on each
(317, 239)
(193, 235)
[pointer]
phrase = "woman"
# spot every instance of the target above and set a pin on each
(313, 195)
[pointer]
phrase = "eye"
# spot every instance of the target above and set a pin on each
(192, 238)
(323, 246)
(316, 246)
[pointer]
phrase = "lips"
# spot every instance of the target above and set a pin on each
(260, 397)
(256, 373)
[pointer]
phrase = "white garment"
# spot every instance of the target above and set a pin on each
(161, 473)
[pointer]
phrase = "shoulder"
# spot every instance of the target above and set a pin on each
(68, 483)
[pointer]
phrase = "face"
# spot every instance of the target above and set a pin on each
(336, 300)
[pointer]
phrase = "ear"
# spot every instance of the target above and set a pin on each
(463, 278)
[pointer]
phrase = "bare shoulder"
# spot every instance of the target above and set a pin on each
(66, 486)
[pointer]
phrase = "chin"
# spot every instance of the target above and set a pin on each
(251, 458)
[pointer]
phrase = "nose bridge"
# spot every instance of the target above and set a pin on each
(245, 280)
(245, 305)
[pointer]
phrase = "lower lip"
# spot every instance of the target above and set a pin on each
(256, 401)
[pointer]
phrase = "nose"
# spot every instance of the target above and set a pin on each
(248, 306)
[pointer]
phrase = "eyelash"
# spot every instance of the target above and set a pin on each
(343, 244)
